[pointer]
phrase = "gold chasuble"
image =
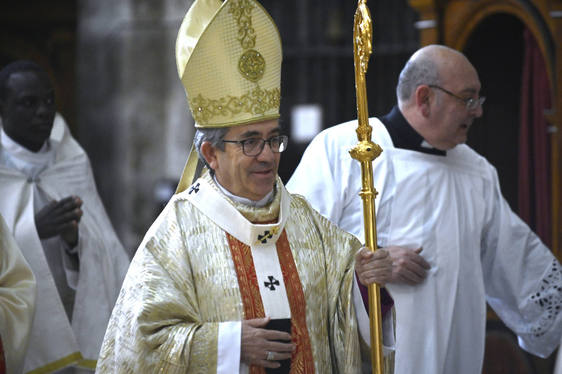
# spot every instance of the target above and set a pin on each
(199, 270)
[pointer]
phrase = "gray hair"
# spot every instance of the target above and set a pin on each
(418, 71)
(211, 135)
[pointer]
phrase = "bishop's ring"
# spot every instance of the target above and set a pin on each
(270, 356)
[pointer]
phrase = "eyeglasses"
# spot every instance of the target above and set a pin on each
(254, 146)
(470, 103)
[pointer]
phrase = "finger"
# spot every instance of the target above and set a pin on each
(421, 262)
(381, 260)
(276, 346)
(258, 322)
(51, 204)
(408, 258)
(45, 211)
(67, 217)
(416, 268)
(380, 254)
(66, 200)
(378, 276)
(410, 277)
(276, 335)
(280, 356)
(70, 226)
(267, 364)
(68, 203)
(362, 256)
(378, 266)
(79, 218)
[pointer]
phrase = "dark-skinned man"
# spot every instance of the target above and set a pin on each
(49, 201)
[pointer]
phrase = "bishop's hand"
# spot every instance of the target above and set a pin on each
(373, 267)
(264, 347)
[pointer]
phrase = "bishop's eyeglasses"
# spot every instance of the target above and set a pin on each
(252, 147)
(471, 104)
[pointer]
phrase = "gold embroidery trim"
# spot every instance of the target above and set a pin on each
(88, 364)
(241, 10)
(256, 102)
(251, 64)
(59, 364)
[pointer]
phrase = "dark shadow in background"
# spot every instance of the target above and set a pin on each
(496, 51)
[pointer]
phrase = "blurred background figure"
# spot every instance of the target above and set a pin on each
(49, 200)
(17, 303)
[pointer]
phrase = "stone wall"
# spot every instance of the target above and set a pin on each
(133, 118)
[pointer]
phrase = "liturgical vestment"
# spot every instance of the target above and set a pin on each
(57, 342)
(17, 302)
(207, 263)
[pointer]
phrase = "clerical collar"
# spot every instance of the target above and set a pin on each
(242, 200)
(404, 136)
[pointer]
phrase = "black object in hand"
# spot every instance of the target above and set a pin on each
(282, 324)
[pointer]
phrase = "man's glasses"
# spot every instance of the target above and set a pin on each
(471, 104)
(254, 146)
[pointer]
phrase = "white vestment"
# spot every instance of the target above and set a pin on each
(55, 341)
(478, 249)
(17, 300)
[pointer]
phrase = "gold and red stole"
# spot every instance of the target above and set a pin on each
(301, 361)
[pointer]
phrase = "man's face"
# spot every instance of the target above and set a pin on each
(246, 176)
(451, 118)
(28, 108)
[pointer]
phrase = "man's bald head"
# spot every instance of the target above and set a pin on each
(431, 65)
(437, 92)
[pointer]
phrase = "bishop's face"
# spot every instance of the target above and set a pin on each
(28, 108)
(252, 177)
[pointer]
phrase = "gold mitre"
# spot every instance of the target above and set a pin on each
(229, 57)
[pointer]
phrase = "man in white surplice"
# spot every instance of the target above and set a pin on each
(440, 204)
(17, 303)
(237, 275)
(50, 203)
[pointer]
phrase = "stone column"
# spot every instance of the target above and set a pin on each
(133, 118)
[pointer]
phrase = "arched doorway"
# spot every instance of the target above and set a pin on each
(495, 48)
(499, 48)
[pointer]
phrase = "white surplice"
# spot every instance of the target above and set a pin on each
(17, 300)
(478, 249)
(55, 341)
